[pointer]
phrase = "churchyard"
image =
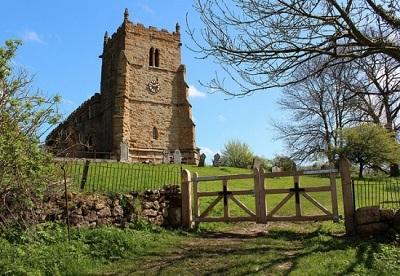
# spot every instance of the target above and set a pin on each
(274, 248)
(120, 186)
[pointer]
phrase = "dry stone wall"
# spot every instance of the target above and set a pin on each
(160, 207)
(374, 220)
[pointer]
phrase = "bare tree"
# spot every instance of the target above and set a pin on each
(319, 106)
(376, 86)
(260, 43)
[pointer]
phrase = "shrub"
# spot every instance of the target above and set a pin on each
(24, 168)
(237, 154)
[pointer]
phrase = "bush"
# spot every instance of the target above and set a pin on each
(25, 169)
(237, 154)
(285, 163)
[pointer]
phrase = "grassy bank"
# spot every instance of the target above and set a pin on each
(47, 251)
(241, 249)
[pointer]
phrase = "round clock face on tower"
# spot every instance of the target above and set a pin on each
(153, 86)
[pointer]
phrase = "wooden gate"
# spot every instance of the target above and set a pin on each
(261, 192)
(226, 195)
(301, 192)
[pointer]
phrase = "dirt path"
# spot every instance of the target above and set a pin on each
(241, 250)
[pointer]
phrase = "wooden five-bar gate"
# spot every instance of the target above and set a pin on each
(261, 193)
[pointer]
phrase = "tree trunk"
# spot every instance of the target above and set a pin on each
(360, 173)
(394, 170)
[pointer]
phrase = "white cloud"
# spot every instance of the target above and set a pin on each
(146, 8)
(32, 37)
(195, 93)
(67, 101)
(208, 152)
(221, 118)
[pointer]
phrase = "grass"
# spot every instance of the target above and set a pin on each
(121, 177)
(46, 250)
(214, 249)
(241, 249)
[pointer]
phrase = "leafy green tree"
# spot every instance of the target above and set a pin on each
(266, 164)
(369, 145)
(285, 163)
(237, 154)
(25, 169)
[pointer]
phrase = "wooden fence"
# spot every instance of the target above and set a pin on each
(192, 215)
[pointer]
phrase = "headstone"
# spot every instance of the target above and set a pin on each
(276, 169)
(202, 160)
(257, 163)
(166, 158)
(124, 152)
(216, 160)
(177, 156)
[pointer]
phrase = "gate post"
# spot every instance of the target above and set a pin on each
(261, 216)
(186, 189)
(347, 190)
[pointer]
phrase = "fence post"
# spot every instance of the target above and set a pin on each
(84, 174)
(186, 188)
(347, 190)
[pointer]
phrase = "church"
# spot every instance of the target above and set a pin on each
(142, 113)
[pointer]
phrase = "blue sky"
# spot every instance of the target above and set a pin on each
(62, 42)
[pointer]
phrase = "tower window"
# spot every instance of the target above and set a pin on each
(151, 57)
(157, 58)
(155, 133)
(154, 57)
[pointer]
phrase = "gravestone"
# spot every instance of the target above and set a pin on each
(166, 157)
(177, 156)
(124, 152)
(216, 160)
(202, 160)
(257, 163)
(276, 169)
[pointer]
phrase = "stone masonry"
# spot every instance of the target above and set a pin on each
(159, 207)
(143, 105)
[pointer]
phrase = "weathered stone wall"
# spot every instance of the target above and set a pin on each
(78, 131)
(160, 207)
(374, 220)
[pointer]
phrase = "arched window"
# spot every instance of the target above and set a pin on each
(155, 133)
(151, 57)
(157, 58)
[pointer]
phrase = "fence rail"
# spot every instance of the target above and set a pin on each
(106, 176)
(374, 192)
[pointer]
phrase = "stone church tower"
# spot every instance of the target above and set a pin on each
(142, 112)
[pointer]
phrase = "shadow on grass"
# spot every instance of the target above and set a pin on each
(280, 251)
